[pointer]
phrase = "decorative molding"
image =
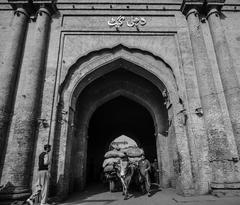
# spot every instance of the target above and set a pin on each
(202, 6)
(213, 4)
(28, 7)
(32, 7)
(50, 5)
(187, 5)
(20, 11)
(199, 112)
(166, 98)
(43, 123)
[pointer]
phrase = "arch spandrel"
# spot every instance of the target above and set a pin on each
(141, 63)
(113, 51)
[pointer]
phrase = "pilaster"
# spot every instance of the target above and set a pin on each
(230, 84)
(219, 149)
(227, 73)
(19, 153)
(10, 72)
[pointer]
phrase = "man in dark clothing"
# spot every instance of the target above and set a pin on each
(144, 168)
(43, 177)
(155, 171)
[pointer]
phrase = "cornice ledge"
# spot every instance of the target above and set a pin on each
(15, 4)
(192, 4)
(32, 6)
(216, 4)
(49, 4)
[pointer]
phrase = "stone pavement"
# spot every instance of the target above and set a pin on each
(96, 195)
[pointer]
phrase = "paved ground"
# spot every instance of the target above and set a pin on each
(97, 195)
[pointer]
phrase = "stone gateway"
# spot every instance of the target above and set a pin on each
(76, 74)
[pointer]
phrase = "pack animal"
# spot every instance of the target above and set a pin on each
(125, 171)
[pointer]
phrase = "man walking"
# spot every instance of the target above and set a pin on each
(144, 168)
(43, 177)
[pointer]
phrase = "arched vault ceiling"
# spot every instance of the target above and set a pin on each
(123, 83)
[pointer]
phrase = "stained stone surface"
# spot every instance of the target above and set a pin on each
(191, 59)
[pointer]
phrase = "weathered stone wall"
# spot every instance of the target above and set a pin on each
(6, 18)
(230, 22)
(79, 31)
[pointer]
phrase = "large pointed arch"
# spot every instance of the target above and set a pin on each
(98, 63)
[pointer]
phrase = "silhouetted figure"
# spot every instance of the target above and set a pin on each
(155, 171)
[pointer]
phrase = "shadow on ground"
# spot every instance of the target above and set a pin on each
(97, 194)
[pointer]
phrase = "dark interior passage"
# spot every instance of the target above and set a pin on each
(120, 116)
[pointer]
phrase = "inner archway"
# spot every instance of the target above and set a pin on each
(119, 116)
(119, 102)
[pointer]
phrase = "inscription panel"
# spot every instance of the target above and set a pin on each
(101, 23)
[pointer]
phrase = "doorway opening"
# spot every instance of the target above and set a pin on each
(119, 116)
(117, 103)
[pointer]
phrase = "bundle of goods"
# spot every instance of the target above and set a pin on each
(109, 162)
(113, 154)
(134, 154)
(120, 147)
(133, 151)
(111, 157)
